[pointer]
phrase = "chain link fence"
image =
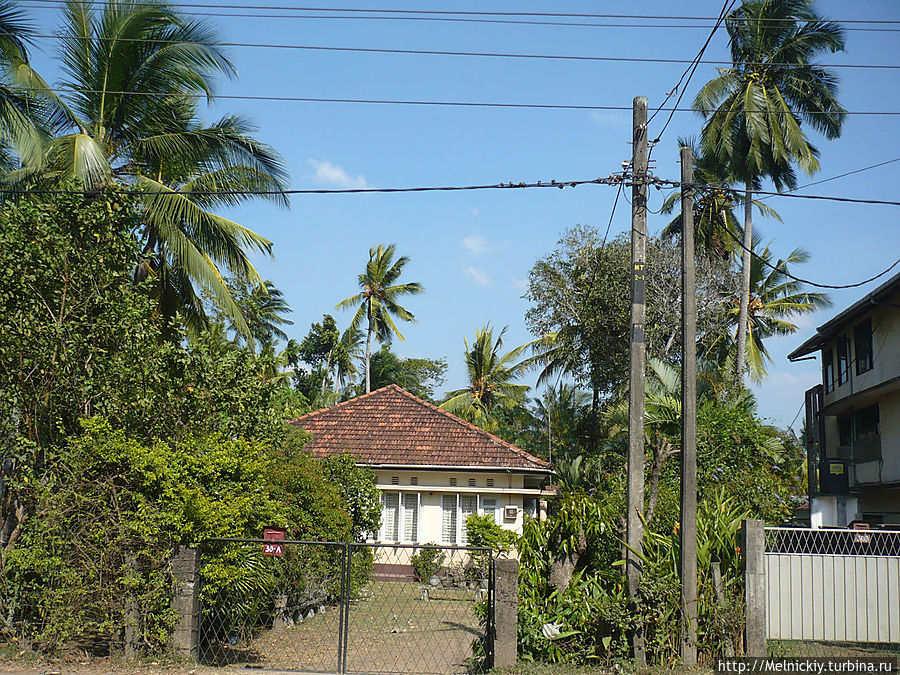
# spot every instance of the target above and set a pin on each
(336, 607)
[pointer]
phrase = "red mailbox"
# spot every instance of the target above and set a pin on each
(273, 537)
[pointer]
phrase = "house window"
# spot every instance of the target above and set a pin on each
(843, 360)
(468, 505)
(471, 482)
(452, 482)
(400, 518)
(490, 482)
(449, 520)
(828, 369)
(411, 516)
(455, 509)
(414, 480)
(390, 528)
(489, 507)
(862, 342)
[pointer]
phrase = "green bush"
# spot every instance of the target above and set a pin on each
(103, 532)
(428, 562)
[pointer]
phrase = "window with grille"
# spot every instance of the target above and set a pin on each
(489, 507)
(390, 528)
(452, 482)
(828, 369)
(411, 516)
(449, 521)
(468, 505)
(414, 480)
(490, 482)
(471, 482)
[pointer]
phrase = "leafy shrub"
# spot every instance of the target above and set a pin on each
(428, 562)
(98, 544)
(590, 617)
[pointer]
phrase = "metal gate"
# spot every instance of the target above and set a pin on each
(830, 590)
(345, 607)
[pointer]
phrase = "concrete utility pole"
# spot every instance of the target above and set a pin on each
(634, 524)
(688, 566)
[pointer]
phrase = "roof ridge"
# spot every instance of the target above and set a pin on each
(472, 427)
(343, 403)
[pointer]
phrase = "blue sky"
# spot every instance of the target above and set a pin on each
(473, 250)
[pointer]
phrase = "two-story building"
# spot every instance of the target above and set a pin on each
(853, 417)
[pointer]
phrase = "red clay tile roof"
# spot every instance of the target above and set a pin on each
(390, 426)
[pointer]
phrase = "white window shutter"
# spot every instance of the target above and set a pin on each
(468, 505)
(391, 516)
(411, 517)
(448, 519)
(489, 507)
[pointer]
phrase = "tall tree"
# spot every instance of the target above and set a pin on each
(127, 114)
(377, 300)
(754, 109)
(715, 224)
(418, 376)
(492, 377)
(775, 299)
(263, 308)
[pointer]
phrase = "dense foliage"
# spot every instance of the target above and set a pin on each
(119, 445)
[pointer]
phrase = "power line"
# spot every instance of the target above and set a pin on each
(436, 52)
(359, 10)
(453, 20)
(783, 270)
(612, 215)
(377, 101)
(840, 175)
(612, 180)
(695, 63)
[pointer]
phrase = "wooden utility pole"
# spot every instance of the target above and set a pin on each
(688, 566)
(634, 523)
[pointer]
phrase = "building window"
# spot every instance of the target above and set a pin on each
(455, 509)
(414, 480)
(828, 369)
(867, 434)
(452, 482)
(862, 342)
(490, 482)
(471, 482)
(843, 360)
(400, 517)
(468, 506)
(449, 521)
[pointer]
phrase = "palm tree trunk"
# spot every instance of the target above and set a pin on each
(369, 348)
(740, 360)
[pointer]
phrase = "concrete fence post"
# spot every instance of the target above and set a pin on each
(753, 542)
(506, 612)
(186, 602)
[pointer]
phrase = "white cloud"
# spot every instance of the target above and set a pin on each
(608, 119)
(334, 175)
(475, 244)
(474, 212)
(476, 275)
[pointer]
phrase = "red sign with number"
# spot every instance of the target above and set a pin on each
(273, 537)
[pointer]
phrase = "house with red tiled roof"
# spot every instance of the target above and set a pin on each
(433, 468)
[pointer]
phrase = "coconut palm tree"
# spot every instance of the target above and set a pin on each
(127, 114)
(23, 117)
(492, 379)
(715, 223)
(263, 308)
(775, 299)
(754, 109)
(377, 300)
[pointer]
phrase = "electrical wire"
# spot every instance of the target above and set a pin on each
(377, 101)
(313, 191)
(451, 20)
(814, 284)
(840, 175)
(694, 63)
(470, 13)
(612, 215)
